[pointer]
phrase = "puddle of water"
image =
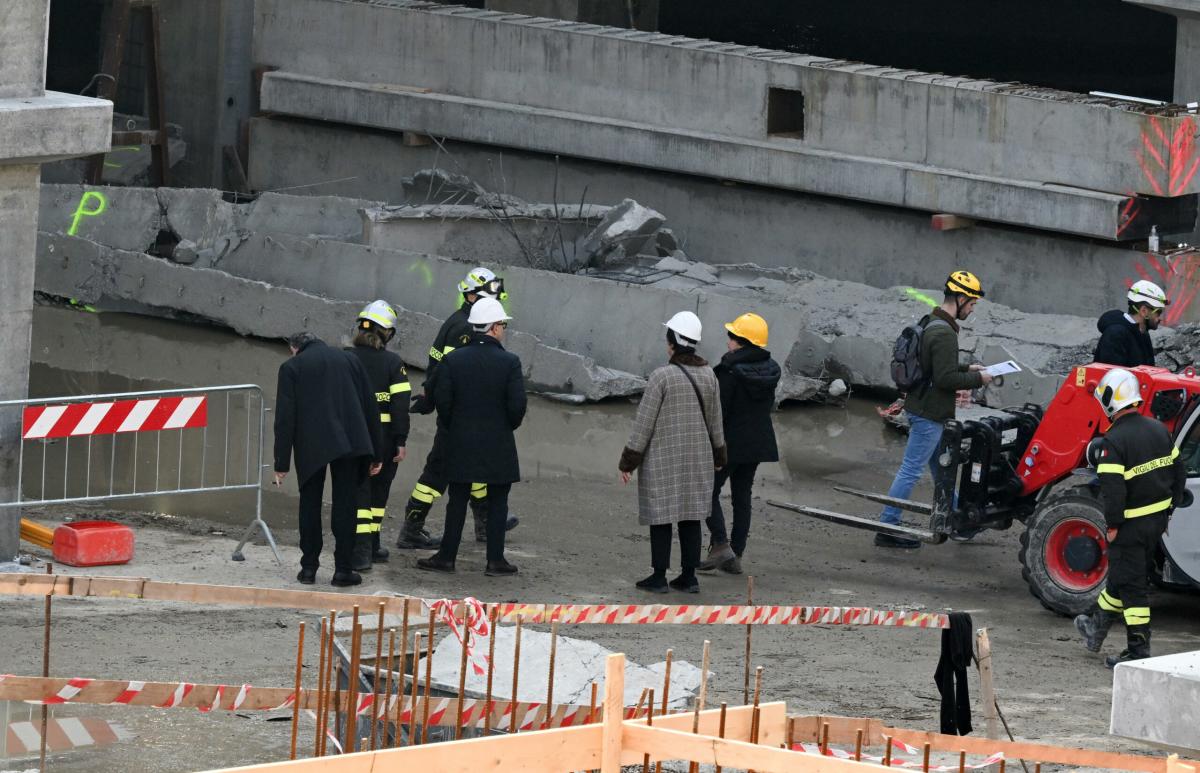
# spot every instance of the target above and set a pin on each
(84, 353)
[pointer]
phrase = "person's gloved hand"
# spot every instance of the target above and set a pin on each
(421, 404)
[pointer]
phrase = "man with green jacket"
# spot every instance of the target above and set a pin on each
(929, 405)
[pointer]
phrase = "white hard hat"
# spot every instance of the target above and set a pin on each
(1118, 389)
(381, 313)
(487, 311)
(685, 325)
(1147, 292)
(478, 281)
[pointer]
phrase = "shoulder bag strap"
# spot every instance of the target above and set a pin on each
(699, 399)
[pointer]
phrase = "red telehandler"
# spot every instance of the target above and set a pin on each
(1030, 465)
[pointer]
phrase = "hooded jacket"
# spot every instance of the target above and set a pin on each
(1122, 342)
(747, 378)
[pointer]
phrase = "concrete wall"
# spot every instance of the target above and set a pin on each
(208, 81)
(722, 223)
(646, 79)
(34, 127)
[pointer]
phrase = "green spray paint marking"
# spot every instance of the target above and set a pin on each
(82, 210)
(919, 296)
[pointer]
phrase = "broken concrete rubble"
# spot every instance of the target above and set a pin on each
(92, 273)
(821, 330)
(626, 231)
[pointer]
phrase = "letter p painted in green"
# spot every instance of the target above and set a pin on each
(82, 210)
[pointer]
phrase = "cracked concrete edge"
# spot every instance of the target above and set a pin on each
(82, 269)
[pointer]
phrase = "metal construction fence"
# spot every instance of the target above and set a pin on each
(151, 444)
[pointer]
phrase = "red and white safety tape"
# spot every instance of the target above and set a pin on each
(643, 614)
(82, 419)
(477, 623)
(897, 762)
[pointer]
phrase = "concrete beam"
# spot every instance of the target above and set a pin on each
(719, 222)
(1157, 701)
(37, 129)
(915, 186)
(77, 268)
(739, 94)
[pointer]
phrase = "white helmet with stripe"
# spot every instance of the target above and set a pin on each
(1147, 292)
(379, 312)
(483, 281)
(1117, 390)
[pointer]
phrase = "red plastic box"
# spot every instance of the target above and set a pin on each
(93, 543)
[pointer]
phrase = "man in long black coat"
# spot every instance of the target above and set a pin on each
(326, 416)
(480, 399)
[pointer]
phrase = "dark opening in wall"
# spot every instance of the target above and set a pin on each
(1075, 45)
(785, 113)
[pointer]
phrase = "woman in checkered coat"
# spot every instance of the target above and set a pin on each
(676, 445)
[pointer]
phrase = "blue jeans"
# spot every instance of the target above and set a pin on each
(923, 438)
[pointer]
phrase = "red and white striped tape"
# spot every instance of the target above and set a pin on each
(641, 614)
(477, 622)
(181, 692)
(130, 692)
(897, 762)
(69, 690)
(81, 419)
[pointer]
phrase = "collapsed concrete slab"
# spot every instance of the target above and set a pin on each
(821, 329)
(1157, 700)
(578, 664)
(90, 272)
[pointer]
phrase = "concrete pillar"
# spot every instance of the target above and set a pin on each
(1187, 45)
(208, 81)
(34, 127)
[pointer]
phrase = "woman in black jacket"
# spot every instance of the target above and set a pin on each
(747, 377)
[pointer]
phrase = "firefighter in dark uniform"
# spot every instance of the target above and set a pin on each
(389, 381)
(454, 333)
(1142, 479)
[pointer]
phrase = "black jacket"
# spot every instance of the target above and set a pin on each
(1121, 342)
(455, 332)
(389, 381)
(324, 410)
(1141, 471)
(747, 378)
(480, 398)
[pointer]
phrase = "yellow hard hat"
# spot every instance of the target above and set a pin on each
(751, 327)
(965, 283)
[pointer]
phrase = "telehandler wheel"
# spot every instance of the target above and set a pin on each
(1064, 554)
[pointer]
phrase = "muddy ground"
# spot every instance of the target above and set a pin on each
(578, 542)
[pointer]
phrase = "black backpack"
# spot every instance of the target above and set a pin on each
(906, 356)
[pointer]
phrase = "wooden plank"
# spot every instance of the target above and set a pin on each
(614, 689)
(678, 745)
(987, 687)
(842, 732)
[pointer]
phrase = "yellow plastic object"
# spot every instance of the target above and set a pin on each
(42, 536)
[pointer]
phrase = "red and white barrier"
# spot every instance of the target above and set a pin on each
(110, 418)
(897, 762)
(62, 734)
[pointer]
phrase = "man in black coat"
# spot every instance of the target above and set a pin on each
(747, 377)
(326, 416)
(1125, 336)
(480, 399)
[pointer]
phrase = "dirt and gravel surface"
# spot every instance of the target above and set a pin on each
(579, 542)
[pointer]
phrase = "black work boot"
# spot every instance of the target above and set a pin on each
(379, 554)
(413, 535)
(1094, 628)
(361, 561)
(1137, 639)
(479, 510)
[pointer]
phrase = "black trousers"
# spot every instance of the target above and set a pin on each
(432, 484)
(456, 517)
(373, 498)
(346, 474)
(689, 546)
(741, 483)
(1130, 557)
